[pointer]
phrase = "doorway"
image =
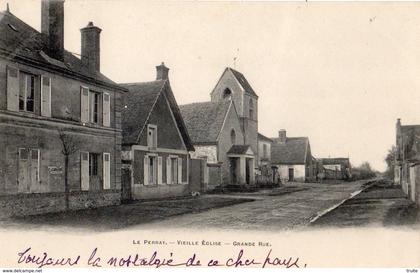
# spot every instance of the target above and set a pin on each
(291, 174)
(233, 162)
(247, 170)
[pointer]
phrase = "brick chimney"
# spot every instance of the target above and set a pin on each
(91, 49)
(162, 72)
(282, 136)
(52, 25)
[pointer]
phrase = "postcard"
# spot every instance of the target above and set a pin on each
(173, 134)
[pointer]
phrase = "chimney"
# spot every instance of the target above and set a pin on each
(91, 49)
(282, 136)
(52, 25)
(162, 72)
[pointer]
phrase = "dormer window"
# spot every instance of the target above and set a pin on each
(227, 94)
(152, 136)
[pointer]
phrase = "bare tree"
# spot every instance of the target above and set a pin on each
(69, 147)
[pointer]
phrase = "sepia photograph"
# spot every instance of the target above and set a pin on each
(163, 134)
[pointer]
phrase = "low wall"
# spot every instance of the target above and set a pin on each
(141, 192)
(40, 203)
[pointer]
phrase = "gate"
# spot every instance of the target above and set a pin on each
(197, 175)
(125, 184)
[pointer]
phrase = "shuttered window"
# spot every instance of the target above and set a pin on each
(29, 170)
(26, 92)
(152, 136)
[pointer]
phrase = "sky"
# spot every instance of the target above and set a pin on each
(338, 73)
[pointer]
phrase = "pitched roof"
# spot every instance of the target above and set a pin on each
(334, 161)
(238, 149)
(139, 102)
(411, 135)
(22, 43)
(243, 82)
(264, 138)
(204, 120)
(293, 151)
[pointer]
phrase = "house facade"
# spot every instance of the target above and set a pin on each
(407, 160)
(293, 158)
(156, 143)
(335, 168)
(50, 99)
(216, 133)
(266, 172)
(264, 150)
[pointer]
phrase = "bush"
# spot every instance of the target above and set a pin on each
(364, 171)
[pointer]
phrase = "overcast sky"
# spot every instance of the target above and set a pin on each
(340, 73)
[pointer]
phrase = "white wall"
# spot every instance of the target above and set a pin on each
(299, 172)
(209, 151)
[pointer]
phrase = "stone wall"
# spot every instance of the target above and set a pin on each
(39, 203)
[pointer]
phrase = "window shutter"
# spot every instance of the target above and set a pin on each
(12, 89)
(107, 171)
(106, 110)
(23, 175)
(84, 171)
(159, 170)
(168, 171)
(146, 170)
(180, 171)
(84, 104)
(46, 96)
(34, 170)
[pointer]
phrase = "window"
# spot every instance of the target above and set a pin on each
(265, 151)
(233, 137)
(26, 92)
(227, 94)
(28, 170)
(152, 136)
(251, 109)
(174, 170)
(152, 167)
(93, 164)
(95, 107)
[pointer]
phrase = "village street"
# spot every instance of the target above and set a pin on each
(293, 206)
(271, 210)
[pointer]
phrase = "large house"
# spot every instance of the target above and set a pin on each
(156, 143)
(293, 158)
(224, 131)
(60, 137)
(407, 160)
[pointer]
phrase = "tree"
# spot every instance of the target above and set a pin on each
(364, 171)
(69, 147)
(390, 162)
